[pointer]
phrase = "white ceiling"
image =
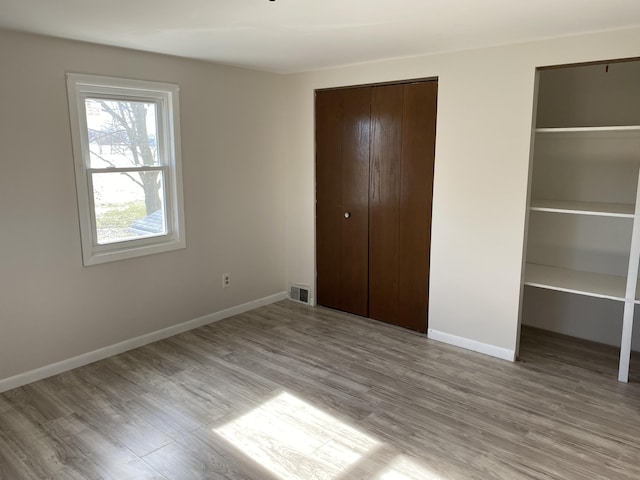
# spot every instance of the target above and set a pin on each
(297, 35)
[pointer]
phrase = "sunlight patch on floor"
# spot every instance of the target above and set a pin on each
(296, 441)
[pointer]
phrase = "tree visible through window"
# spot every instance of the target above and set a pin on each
(124, 134)
(127, 166)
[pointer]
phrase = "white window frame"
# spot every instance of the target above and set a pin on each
(165, 97)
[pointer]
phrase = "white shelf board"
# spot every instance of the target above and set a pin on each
(627, 133)
(584, 208)
(572, 281)
(613, 129)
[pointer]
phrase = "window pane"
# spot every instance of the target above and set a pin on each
(121, 133)
(129, 205)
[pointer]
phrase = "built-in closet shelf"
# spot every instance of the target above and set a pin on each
(584, 153)
(584, 208)
(573, 281)
(626, 132)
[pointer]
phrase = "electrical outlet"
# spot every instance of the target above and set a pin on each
(226, 280)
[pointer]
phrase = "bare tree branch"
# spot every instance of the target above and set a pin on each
(111, 164)
(126, 174)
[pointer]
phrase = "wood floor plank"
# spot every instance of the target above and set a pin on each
(293, 392)
(97, 454)
(201, 456)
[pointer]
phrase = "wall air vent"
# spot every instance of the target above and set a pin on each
(299, 293)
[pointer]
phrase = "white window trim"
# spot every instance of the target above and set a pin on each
(165, 95)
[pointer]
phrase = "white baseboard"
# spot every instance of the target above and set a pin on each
(102, 353)
(469, 344)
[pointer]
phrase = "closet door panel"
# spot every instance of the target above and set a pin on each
(384, 201)
(328, 196)
(356, 135)
(416, 186)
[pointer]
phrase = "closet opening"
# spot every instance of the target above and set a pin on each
(581, 298)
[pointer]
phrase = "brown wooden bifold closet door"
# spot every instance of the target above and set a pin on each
(384, 201)
(416, 197)
(375, 149)
(342, 198)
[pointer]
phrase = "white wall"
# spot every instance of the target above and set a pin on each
(485, 107)
(51, 307)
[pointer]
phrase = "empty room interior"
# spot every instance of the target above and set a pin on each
(329, 240)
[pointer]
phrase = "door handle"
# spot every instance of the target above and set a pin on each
(347, 214)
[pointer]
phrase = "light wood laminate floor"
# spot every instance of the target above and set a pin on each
(292, 392)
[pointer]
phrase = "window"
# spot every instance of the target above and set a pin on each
(126, 148)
